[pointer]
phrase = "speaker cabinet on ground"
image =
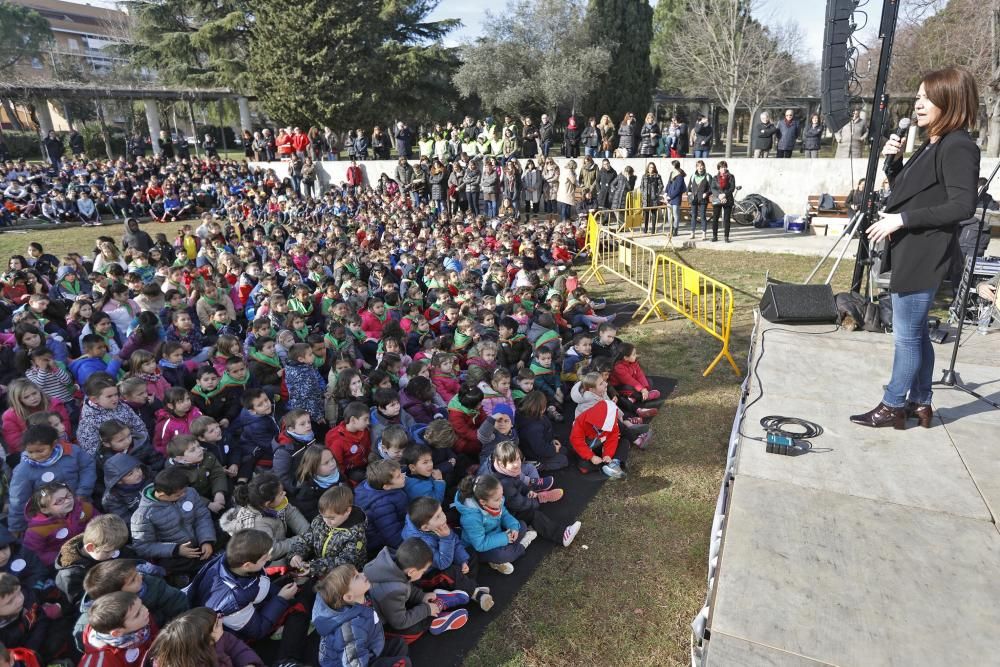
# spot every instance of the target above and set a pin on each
(798, 303)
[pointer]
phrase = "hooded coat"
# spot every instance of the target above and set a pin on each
(159, 527)
(386, 510)
(74, 467)
(400, 601)
(122, 500)
(352, 636)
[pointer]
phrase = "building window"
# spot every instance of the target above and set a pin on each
(73, 44)
(36, 63)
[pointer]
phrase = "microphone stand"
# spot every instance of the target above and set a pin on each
(950, 378)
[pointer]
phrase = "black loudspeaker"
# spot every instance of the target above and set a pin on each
(798, 303)
(834, 99)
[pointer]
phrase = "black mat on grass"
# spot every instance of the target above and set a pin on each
(451, 648)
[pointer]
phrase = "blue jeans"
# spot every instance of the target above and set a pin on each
(590, 151)
(565, 211)
(913, 354)
(508, 553)
(473, 199)
(675, 217)
(491, 208)
(699, 211)
(701, 152)
(546, 147)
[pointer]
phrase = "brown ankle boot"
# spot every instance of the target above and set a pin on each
(923, 412)
(882, 415)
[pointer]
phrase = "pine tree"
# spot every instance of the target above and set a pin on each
(348, 62)
(626, 28)
(668, 19)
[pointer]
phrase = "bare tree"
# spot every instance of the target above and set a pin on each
(715, 42)
(773, 66)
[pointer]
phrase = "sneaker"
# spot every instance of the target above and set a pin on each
(637, 429)
(647, 413)
(541, 483)
(528, 538)
(634, 420)
(642, 441)
(653, 395)
(613, 470)
(453, 620)
(550, 496)
(483, 597)
(451, 599)
(598, 304)
(503, 568)
(570, 533)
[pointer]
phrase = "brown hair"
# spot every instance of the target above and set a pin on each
(334, 586)
(954, 91)
(337, 499)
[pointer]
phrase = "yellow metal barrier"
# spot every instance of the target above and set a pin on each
(703, 300)
(610, 251)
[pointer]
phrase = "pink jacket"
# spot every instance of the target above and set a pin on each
(447, 385)
(491, 399)
(168, 425)
(46, 535)
(14, 427)
(157, 387)
(371, 325)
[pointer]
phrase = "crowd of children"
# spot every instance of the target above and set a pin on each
(332, 420)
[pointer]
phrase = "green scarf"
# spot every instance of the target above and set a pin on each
(297, 306)
(538, 369)
(302, 333)
(207, 395)
(455, 404)
(229, 381)
(547, 336)
(273, 360)
(71, 287)
(461, 341)
(517, 394)
(336, 344)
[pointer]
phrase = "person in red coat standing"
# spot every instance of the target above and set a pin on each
(284, 145)
(300, 142)
(354, 177)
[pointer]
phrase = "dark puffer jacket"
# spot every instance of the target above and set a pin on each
(386, 510)
(325, 548)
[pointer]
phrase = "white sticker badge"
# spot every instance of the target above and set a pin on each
(18, 565)
(187, 506)
(62, 533)
(48, 476)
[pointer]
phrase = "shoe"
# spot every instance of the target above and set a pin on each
(715, 240)
(652, 395)
(613, 470)
(923, 412)
(528, 538)
(703, 236)
(453, 620)
(451, 599)
(503, 568)
(882, 415)
(634, 420)
(637, 429)
(727, 239)
(550, 496)
(541, 483)
(570, 533)
(643, 440)
(647, 413)
(483, 597)
(598, 304)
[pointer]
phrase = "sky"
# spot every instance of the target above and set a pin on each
(809, 14)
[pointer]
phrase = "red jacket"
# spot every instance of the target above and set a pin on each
(14, 427)
(284, 144)
(300, 141)
(598, 421)
(110, 656)
(466, 431)
(628, 378)
(168, 425)
(350, 449)
(354, 175)
(372, 325)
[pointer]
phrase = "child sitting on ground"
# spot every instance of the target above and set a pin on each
(421, 477)
(135, 395)
(337, 536)
(383, 500)
(454, 566)
(465, 416)
(54, 515)
(487, 527)
(304, 383)
(286, 451)
(386, 413)
(125, 478)
(344, 616)
(175, 418)
(535, 435)
(350, 442)
(103, 539)
(162, 600)
(252, 432)
(118, 628)
(547, 381)
(408, 611)
(102, 403)
(205, 474)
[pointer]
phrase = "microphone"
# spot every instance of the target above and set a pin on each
(900, 132)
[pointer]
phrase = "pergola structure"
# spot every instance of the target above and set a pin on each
(45, 90)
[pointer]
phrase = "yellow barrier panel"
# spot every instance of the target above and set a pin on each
(703, 300)
(620, 255)
(633, 210)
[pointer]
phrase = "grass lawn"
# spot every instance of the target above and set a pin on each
(629, 598)
(60, 240)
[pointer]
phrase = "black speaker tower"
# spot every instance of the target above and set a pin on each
(835, 101)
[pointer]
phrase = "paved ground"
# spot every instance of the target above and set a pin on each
(878, 548)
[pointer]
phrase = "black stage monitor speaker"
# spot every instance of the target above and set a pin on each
(834, 98)
(798, 303)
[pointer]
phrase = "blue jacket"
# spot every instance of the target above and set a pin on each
(252, 433)
(675, 189)
(250, 606)
(305, 389)
(159, 527)
(417, 487)
(447, 551)
(352, 636)
(535, 436)
(481, 531)
(75, 468)
(84, 367)
(377, 424)
(386, 510)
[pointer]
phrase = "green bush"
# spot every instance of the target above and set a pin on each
(23, 145)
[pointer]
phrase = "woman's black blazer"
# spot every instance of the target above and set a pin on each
(933, 192)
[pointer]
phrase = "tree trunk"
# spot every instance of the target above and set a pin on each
(194, 128)
(14, 120)
(753, 114)
(993, 125)
(730, 123)
(104, 129)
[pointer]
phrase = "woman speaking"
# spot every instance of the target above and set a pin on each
(931, 193)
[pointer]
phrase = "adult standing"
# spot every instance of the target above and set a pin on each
(812, 135)
(626, 135)
(682, 140)
(404, 140)
(702, 137)
(591, 138)
(76, 147)
(512, 183)
(588, 183)
(54, 149)
(698, 190)
(471, 182)
(787, 132)
(723, 186)
(649, 136)
(300, 142)
(546, 135)
(851, 137)
(270, 145)
(533, 186)
(623, 184)
(249, 151)
(675, 190)
(166, 144)
(381, 145)
(439, 186)
(931, 194)
(605, 178)
(136, 238)
(331, 143)
(566, 196)
(608, 134)
(763, 136)
(571, 139)
(404, 175)
(650, 190)
(529, 139)
(550, 174)
(488, 185)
